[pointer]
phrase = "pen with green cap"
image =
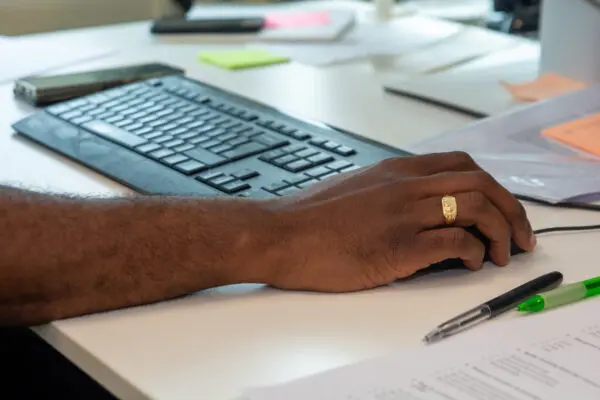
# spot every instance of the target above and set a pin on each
(562, 296)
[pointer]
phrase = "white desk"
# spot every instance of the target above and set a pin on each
(214, 344)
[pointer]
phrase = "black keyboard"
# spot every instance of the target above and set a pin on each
(178, 136)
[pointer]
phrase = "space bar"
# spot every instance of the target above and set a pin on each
(113, 133)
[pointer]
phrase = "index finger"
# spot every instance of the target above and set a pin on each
(449, 183)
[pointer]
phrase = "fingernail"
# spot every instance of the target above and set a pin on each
(533, 241)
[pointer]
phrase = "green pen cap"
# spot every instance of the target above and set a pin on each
(533, 304)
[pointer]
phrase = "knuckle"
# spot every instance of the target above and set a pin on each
(461, 157)
(478, 202)
(388, 163)
(484, 180)
(458, 237)
(519, 212)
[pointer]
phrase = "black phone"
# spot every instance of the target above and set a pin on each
(225, 25)
(44, 90)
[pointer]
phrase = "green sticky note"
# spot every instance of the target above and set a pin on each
(241, 58)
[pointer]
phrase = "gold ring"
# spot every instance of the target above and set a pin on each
(449, 208)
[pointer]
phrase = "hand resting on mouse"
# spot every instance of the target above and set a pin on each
(384, 222)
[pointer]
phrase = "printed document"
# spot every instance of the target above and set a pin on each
(553, 355)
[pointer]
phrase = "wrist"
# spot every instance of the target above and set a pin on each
(263, 247)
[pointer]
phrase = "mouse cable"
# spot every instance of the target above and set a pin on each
(574, 206)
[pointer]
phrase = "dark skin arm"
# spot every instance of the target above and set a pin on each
(63, 257)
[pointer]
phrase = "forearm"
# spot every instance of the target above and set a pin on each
(63, 257)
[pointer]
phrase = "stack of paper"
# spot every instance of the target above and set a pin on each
(550, 356)
(397, 37)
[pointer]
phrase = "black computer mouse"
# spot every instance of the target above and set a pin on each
(457, 263)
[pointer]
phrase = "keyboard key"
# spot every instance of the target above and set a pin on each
(213, 132)
(164, 113)
(339, 165)
(284, 160)
(190, 167)
(238, 140)
(307, 153)
(142, 131)
(275, 187)
(299, 165)
(114, 118)
(300, 135)
(199, 139)
(138, 115)
(134, 127)
(113, 133)
(155, 109)
(169, 127)
(271, 140)
(147, 119)
(157, 123)
(294, 148)
(245, 150)
(320, 158)
(195, 124)
(180, 131)
(163, 138)
(71, 114)
(329, 175)
(227, 136)
(175, 159)
(207, 176)
(162, 153)
(317, 172)
(210, 143)
(58, 109)
(204, 156)
(187, 135)
(317, 141)
(81, 120)
(330, 145)
(124, 123)
(221, 148)
(153, 135)
(298, 179)
(221, 180)
(230, 124)
(120, 107)
(271, 155)
(245, 174)
(148, 147)
(132, 112)
(184, 147)
(173, 143)
(234, 187)
(344, 151)
(98, 111)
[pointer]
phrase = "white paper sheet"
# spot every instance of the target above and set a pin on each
(470, 44)
(23, 57)
(394, 38)
(548, 356)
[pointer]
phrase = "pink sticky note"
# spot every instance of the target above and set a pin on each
(295, 20)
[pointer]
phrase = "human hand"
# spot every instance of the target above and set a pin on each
(374, 225)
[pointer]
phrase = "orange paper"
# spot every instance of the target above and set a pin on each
(583, 133)
(544, 87)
